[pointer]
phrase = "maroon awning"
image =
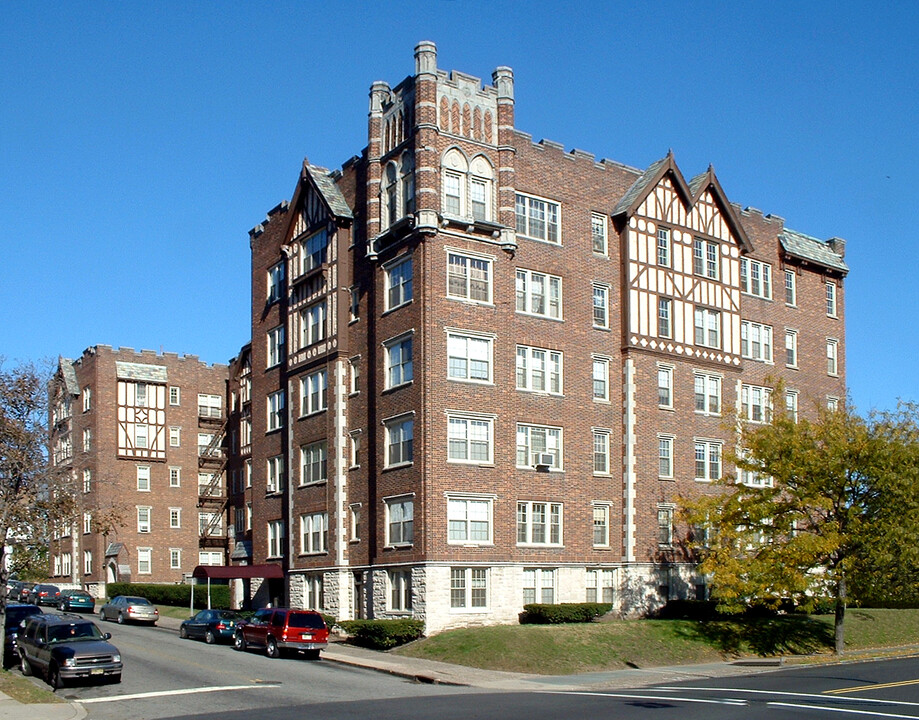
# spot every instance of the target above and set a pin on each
(233, 572)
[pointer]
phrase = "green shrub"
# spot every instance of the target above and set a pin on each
(537, 614)
(176, 595)
(382, 634)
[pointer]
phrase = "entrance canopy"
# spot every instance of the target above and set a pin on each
(233, 572)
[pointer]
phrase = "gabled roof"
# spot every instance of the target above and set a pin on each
(689, 192)
(805, 247)
(70, 376)
(326, 186)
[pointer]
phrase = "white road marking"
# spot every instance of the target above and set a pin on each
(821, 697)
(664, 698)
(164, 693)
(850, 711)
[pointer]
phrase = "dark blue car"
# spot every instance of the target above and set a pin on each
(212, 625)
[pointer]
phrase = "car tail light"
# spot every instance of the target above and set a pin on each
(221, 626)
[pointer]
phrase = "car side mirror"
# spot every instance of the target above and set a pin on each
(107, 636)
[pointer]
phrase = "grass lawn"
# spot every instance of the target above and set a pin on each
(24, 690)
(591, 647)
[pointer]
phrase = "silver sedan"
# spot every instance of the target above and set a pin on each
(124, 608)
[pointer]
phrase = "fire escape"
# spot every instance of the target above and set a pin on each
(212, 495)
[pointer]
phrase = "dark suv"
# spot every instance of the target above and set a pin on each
(67, 647)
(281, 629)
(12, 624)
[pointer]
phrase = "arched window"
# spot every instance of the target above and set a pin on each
(481, 189)
(454, 178)
(390, 195)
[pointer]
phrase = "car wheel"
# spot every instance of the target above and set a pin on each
(209, 637)
(102, 615)
(114, 679)
(60, 606)
(25, 665)
(239, 642)
(183, 633)
(271, 648)
(121, 618)
(54, 677)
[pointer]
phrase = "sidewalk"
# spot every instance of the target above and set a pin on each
(431, 671)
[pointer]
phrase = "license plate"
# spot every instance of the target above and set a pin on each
(306, 636)
(96, 671)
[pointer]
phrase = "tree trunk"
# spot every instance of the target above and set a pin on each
(840, 613)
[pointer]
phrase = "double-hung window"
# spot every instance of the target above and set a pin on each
(275, 538)
(469, 520)
(469, 438)
(756, 278)
(707, 393)
(665, 525)
(143, 478)
(832, 356)
(831, 299)
(664, 317)
(468, 588)
(791, 294)
(314, 533)
(453, 192)
(314, 462)
(469, 277)
(705, 258)
(665, 456)
(791, 348)
(175, 517)
(539, 586)
(598, 233)
(144, 561)
(143, 519)
(539, 523)
(600, 306)
(400, 516)
(708, 459)
(601, 451)
(275, 282)
(601, 378)
(755, 403)
(663, 247)
(601, 524)
(398, 361)
(707, 325)
(539, 294)
(313, 324)
(275, 346)
(665, 386)
(539, 370)
(539, 445)
(399, 440)
(314, 395)
(601, 585)
(274, 474)
(538, 219)
(469, 356)
(314, 251)
(276, 411)
(756, 341)
(791, 404)
(399, 283)
(400, 590)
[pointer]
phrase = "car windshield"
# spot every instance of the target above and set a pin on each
(305, 620)
(76, 631)
(227, 615)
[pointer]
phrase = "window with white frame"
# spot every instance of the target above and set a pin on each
(601, 448)
(707, 393)
(87, 398)
(400, 520)
(354, 514)
(791, 348)
(314, 592)
(664, 317)
(539, 294)
(87, 480)
(175, 477)
(314, 251)
(538, 219)
(398, 361)
(598, 233)
(539, 586)
(537, 444)
(175, 395)
(210, 524)
(275, 345)
(707, 325)
(87, 523)
(274, 476)
(275, 282)
(480, 198)
(469, 277)
(832, 403)
(66, 565)
(355, 448)
(175, 517)
(276, 413)
(313, 324)
(752, 477)
(755, 403)
(468, 588)
(665, 456)
(140, 435)
(539, 523)
(832, 356)
(663, 247)
(248, 473)
(791, 404)
(705, 258)
(314, 395)
(205, 449)
(454, 183)
(791, 294)
(354, 365)
(144, 561)
(87, 562)
(400, 590)
(539, 370)
(469, 520)
(469, 438)
(354, 307)
(143, 518)
(600, 306)
(210, 405)
(708, 459)
(831, 299)
(399, 440)
(175, 558)
(143, 478)
(665, 386)
(469, 356)
(87, 439)
(601, 585)
(756, 278)
(600, 524)
(601, 379)
(756, 341)
(398, 283)
(210, 557)
(248, 516)
(665, 525)
(314, 533)
(314, 462)
(275, 538)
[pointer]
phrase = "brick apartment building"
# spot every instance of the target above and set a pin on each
(482, 369)
(141, 434)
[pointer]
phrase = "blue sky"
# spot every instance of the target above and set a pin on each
(139, 142)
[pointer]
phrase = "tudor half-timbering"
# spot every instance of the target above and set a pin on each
(483, 369)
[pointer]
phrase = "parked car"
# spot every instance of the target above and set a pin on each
(13, 588)
(282, 629)
(125, 607)
(212, 625)
(24, 591)
(79, 600)
(43, 594)
(67, 647)
(15, 614)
